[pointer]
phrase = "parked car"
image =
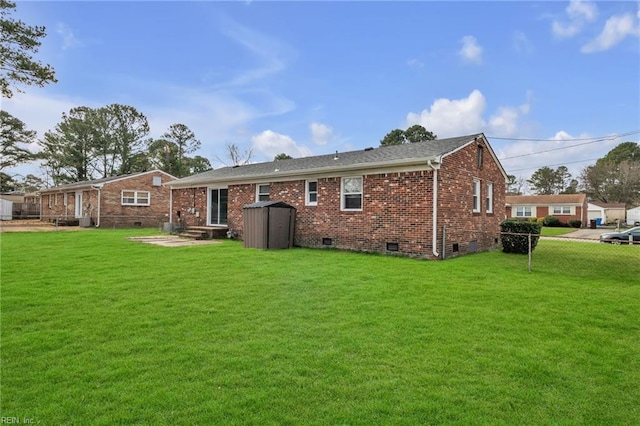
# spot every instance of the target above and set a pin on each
(621, 237)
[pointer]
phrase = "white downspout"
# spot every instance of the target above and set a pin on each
(99, 188)
(170, 205)
(434, 231)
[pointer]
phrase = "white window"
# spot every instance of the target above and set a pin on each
(262, 192)
(561, 210)
(49, 201)
(135, 198)
(476, 196)
(489, 198)
(351, 198)
(311, 193)
(524, 211)
(157, 181)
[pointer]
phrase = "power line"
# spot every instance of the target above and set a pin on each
(557, 164)
(606, 138)
(554, 149)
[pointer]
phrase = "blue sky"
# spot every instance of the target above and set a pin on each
(308, 78)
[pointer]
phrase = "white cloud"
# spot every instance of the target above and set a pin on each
(415, 63)
(269, 53)
(270, 144)
(446, 117)
(522, 44)
(616, 29)
(470, 51)
(579, 13)
(69, 40)
(320, 133)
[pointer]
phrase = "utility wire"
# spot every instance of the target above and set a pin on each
(558, 164)
(606, 138)
(554, 149)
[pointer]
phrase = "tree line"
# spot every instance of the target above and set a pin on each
(614, 178)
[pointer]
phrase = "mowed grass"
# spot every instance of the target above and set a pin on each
(552, 232)
(100, 330)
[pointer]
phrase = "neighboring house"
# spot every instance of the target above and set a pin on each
(394, 199)
(633, 216)
(607, 212)
(139, 199)
(565, 207)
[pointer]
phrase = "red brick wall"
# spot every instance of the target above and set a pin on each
(192, 205)
(114, 214)
(397, 208)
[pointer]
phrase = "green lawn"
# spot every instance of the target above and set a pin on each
(553, 232)
(100, 330)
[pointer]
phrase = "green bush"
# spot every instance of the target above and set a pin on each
(551, 221)
(575, 223)
(515, 236)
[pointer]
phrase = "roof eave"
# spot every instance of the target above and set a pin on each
(352, 168)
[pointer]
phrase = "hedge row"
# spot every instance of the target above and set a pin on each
(515, 236)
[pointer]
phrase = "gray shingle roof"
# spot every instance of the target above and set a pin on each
(89, 183)
(387, 156)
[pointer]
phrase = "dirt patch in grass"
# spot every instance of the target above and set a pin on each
(171, 241)
(34, 225)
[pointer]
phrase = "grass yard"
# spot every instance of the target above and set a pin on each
(100, 330)
(554, 232)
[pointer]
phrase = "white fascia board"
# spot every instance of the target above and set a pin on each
(404, 165)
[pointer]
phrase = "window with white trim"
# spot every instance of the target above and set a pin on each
(489, 198)
(311, 193)
(476, 196)
(561, 209)
(135, 198)
(50, 201)
(524, 211)
(351, 193)
(262, 192)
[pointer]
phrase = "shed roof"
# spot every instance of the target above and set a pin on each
(546, 199)
(261, 204)
(369, 158)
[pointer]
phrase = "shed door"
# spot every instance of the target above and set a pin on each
(279, 220)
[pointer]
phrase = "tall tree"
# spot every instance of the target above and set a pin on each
(394, 137)
(515, 186)
(14, 137)
(282, 156)
(68, 150)
(185, 142)
(237, 157)
(7, 183)
(198, 164)
(544, 181)
(163, 155)
(413, 134)
(615, 178)
(18, 41)
(126, 130)
(418, 133)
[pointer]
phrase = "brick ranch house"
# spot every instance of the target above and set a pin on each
(135, 200)
(565, 207)
(388, 199)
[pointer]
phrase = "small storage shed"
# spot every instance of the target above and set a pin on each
(268, 225)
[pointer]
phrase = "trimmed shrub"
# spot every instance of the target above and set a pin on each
(575, 223)
(540, 221)
(515, 236)
(551, 221)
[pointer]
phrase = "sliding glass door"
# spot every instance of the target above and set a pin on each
(218, 199)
